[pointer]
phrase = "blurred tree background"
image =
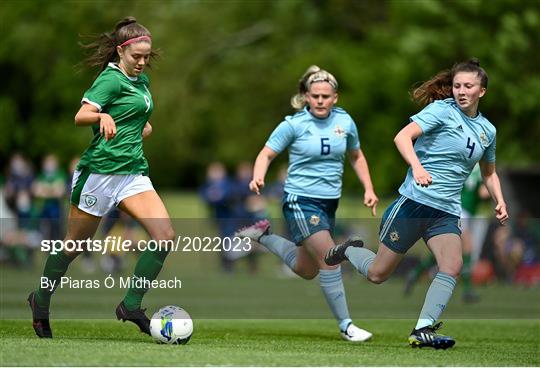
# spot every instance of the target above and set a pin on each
(228, 69)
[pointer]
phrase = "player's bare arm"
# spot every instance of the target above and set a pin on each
(404, 143)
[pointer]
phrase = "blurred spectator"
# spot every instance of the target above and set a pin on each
(275, 189)
(247, 208)
(19, 235)
(49, 190)
(19, 179)
(516, 250)
(232, 205)
(241, 188)
(217, 192)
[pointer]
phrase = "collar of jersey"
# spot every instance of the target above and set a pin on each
(455, 105)
(115, 66)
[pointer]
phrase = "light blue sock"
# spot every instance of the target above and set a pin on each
(437, 297)
(334, 292)
(344, 324)
(281, 247)
(361, 258)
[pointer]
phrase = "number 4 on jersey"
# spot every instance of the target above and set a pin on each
(471, 147)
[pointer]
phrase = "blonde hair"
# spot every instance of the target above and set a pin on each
(312, 75)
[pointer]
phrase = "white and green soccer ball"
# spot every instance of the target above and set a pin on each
(171, 325)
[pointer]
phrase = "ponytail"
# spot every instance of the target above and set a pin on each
(103, 49)
(439, 87)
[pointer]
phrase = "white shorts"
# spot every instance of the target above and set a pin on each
(97, 194)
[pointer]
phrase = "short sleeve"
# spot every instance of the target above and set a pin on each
(103, 91)
(431, 117)
(489, 153)
(281, 137)
(353, 141)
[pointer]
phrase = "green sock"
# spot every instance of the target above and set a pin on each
(55, 267)
(147, 269)
(466, 273)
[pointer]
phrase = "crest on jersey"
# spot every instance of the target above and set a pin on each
(394, 236)
(339, 132)
(483, 139)
(90, 200)
(314, 220)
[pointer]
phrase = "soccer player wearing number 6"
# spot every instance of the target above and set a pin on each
(318, 136)
(451, 137)
(113, 170)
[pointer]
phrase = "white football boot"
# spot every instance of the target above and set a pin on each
(355, 334)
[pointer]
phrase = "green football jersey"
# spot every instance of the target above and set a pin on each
(130, 104)
(470, 199)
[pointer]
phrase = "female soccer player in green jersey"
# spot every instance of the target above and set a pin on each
(451, 136)
(317, 137)
(113, 170)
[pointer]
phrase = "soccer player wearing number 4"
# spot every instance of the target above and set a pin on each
(451, 137)
(473, 192)
(318, 137)
(113, 170)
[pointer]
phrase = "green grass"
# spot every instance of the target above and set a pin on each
(260, 320)
(264, 320)
(268, 343)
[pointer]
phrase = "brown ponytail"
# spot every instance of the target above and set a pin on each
(439, 87)
(103, 49)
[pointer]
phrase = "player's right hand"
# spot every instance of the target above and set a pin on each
(501, 213)
(421, 176)
(256, 185)
(370, 201)
(107, 126)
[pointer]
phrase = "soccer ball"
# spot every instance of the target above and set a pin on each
(171, 325)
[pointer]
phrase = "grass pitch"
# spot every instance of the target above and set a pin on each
(243, 320)
(264, 319)
(268, 343)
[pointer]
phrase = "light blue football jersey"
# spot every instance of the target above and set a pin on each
(451, 144)
(317, 150)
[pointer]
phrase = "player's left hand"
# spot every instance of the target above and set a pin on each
(147, 130)
(501, 213)
(371, 200)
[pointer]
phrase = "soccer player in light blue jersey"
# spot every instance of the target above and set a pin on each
(451, 137)
(317, 137)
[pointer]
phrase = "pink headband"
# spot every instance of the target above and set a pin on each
(136, 39)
